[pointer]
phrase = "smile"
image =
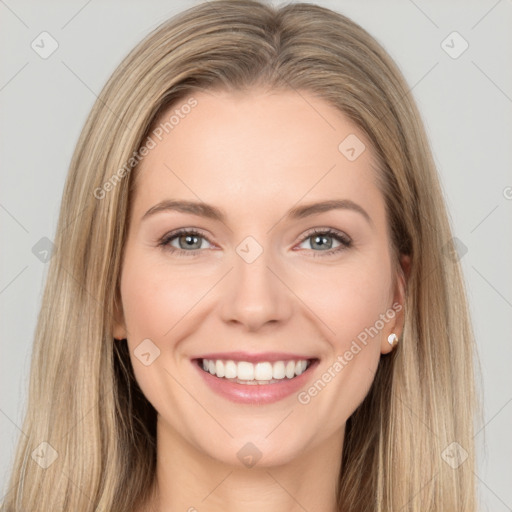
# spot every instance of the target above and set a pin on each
(245, 372)
(255, 379)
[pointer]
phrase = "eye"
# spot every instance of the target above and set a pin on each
(183, 242)
(322, 241)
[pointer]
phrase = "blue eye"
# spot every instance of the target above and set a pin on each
(190, 242)
(322, 239)
(189, 239)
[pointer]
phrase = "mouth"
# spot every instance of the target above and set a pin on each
(261, 373)
(255, 380)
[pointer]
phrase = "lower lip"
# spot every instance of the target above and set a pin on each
(256, 394)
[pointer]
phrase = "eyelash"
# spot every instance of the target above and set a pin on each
(340, 237)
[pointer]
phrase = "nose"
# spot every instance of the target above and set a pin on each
(255, 294)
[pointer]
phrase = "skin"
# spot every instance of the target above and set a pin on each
(255, 155)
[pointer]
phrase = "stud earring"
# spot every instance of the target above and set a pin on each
(392, 339)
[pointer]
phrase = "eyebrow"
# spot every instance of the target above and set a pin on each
(299, 212)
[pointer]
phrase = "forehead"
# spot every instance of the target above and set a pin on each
(254, 148)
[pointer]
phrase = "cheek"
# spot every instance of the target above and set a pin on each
(348, 299)
(156, 297)
(155, 300)
(352, 303)
(361, 303)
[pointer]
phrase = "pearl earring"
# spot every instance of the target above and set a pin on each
(392, 339)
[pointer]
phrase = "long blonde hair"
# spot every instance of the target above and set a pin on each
(399, 449)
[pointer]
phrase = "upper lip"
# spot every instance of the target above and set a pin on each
(255, 358)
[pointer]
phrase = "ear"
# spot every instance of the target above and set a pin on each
(120, 332)
(396, 325)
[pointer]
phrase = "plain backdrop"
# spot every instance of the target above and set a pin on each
(465, 98)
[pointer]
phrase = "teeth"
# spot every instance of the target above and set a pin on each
(290, 369)
(278, 370)
(244, 370)
(262, 371)
(230, 369)
(259, 373)
(219, 369)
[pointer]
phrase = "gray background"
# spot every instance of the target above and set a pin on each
(466, 103)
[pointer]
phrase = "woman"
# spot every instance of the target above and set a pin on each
(252, 303)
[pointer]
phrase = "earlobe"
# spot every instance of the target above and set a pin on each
(119, 331)
(119, 334)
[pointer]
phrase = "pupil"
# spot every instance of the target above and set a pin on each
(190, 240)
(321, 240)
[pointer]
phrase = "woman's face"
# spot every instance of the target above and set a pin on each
(265, 277)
